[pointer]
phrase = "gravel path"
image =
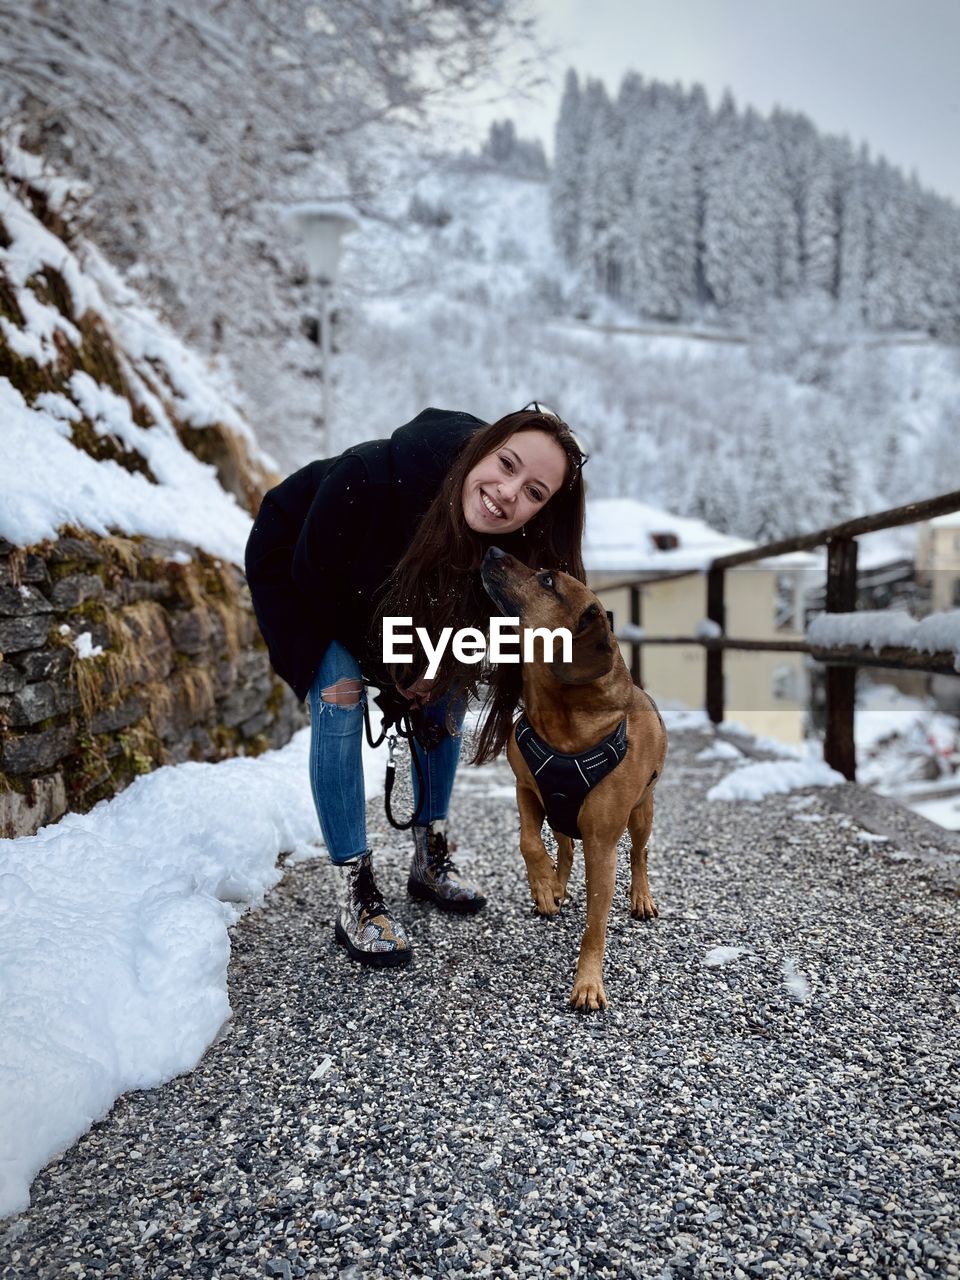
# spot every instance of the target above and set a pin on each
(454, 1118)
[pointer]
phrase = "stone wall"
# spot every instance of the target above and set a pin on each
(177, 670)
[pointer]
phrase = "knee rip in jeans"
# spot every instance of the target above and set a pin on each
(346, 693)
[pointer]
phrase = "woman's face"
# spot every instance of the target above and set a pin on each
(509, 486)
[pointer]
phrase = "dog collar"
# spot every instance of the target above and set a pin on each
(564, 780)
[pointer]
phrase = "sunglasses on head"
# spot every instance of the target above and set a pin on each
(535, 406)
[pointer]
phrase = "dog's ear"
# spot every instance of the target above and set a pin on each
(592, 655)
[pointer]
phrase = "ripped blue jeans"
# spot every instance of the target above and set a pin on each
(336, 760)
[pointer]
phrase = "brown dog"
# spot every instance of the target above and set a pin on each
(572, 707)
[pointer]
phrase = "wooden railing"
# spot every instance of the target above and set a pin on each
(841, 597)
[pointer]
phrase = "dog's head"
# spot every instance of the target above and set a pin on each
(550, 599)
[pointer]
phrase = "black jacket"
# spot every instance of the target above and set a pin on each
(326, 540)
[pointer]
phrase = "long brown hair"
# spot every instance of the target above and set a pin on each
(437, 582)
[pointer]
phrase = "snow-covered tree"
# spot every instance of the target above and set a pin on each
(882, 293)
(822, 223)
(600, 248)
(194, 122)
(744, 217)
(504, 150)
(856, 228)
(682, 208)
(938, 252)
(566, 181)
(662, 225)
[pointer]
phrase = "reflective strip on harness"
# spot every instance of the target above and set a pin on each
(564, 781)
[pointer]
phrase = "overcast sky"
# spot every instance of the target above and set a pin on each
(882, 71)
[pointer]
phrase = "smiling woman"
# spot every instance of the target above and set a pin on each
(398, 528)
(509, 486)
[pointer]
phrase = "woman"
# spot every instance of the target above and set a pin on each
(399, 527)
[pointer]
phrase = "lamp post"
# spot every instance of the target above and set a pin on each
(322, 227)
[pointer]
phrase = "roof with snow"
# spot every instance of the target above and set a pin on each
(627, 536)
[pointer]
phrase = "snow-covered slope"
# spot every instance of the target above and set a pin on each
(459, 298)
(102, 406)
(128, 480)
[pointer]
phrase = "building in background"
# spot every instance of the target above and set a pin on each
(938, 569)
(629, 542)
(938, 561)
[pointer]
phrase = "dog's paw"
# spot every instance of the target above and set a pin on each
(588, 993)
(642, 905)
(547, 894)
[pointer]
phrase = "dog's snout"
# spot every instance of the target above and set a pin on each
(495, 575)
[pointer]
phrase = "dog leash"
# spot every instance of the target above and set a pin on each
(399, 723)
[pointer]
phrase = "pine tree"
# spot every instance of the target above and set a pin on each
(669, 207)
(796, 141)
(598, 257)
(664, 210)
(504, 150)
(721, 163)
(698, 124)
(882, 293)
(633, 111)
(856, 229)
(822, 223)
(743, 226)
(566, 182)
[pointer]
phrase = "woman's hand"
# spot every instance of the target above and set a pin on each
(419, 691)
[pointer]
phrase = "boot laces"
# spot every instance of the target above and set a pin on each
(440, 858)
(364, 889)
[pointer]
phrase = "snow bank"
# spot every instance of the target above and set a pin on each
(772, 746)
(719, 750)
(113, 974)
(774, 777)
(115, 941)
(678, 719)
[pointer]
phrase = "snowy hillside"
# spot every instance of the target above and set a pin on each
(678, 210)
(103, 407)
(127, 485)
(804, 421)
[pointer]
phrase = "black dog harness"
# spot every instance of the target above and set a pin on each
(565, 780)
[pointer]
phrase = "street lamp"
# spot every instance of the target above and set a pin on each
(322, 226)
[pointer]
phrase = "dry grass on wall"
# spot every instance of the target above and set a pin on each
(183, 673)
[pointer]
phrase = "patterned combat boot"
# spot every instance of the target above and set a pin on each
(434, 877)
(364, 924)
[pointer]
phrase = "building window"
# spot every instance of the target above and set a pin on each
(665, 541)
(956, 593)
(785, 684)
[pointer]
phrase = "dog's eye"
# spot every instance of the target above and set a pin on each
(546, 580)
